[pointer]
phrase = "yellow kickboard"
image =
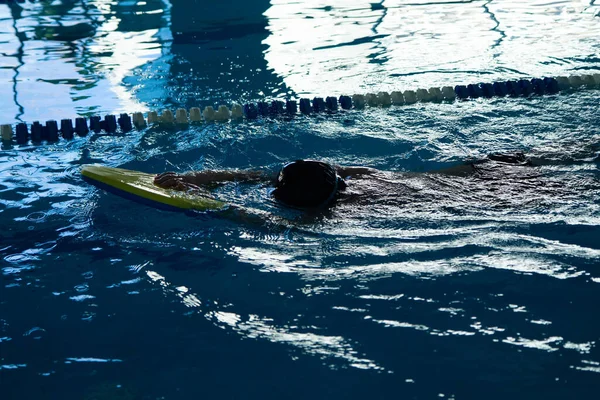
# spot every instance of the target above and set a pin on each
(139, 186)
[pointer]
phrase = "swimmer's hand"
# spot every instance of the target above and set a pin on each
(175, 181)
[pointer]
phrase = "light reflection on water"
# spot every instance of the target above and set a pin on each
(491, 282)
(320, 49)
(70, 58)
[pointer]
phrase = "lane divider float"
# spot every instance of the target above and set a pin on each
(51, 131)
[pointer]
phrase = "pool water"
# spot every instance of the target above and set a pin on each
(430, 286)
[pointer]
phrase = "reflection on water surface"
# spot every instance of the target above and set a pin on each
(63, 59)
(463, 287)
(320, 48)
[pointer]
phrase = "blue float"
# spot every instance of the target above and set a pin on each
(250, 111)
(66, 128)
(81, 127)
(537, 86)
(551, 85)
(37, 132)
(95, 124)
(125, 123)
(22, 135)
(346, 102)
(525, 87)
(52, 131)
(461, 91)
(291, 106)
(263, 108)
(487, 89)
(500, 89)
(277, 107)
(474, 91)
(513, 88)
(318, 104)
(331, 103)
(305, 107)
(110, 123)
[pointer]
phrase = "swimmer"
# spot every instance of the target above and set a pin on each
(299, 184)
(311, 184)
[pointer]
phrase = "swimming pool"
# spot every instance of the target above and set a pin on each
(464, 288)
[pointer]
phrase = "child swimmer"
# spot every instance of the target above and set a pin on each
(299, 184)
(312, 184)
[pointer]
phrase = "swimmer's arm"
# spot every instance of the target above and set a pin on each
(210, 176)
(193, 179)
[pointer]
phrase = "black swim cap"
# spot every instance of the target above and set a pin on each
(307, 183)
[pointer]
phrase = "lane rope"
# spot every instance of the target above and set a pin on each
(51, 131)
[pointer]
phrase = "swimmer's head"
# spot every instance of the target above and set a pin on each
(308, 184)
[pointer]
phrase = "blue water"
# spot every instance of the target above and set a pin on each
(434, 286)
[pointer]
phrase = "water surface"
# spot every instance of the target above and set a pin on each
(441, 286)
